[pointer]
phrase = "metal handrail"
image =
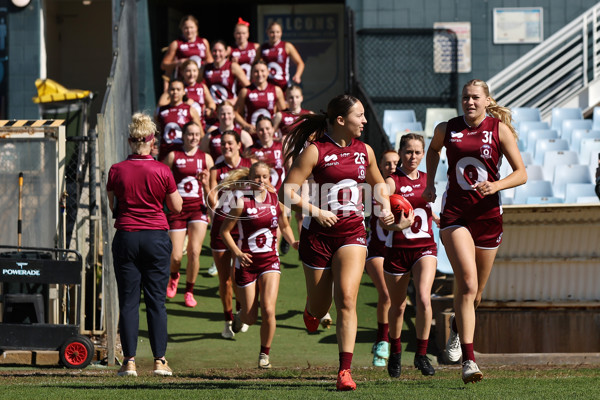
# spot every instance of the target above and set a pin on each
(555, 70)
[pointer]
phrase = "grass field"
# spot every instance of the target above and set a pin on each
(305, 366)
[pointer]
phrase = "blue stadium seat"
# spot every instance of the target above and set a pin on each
(536, 134)
(574, 191)
(569, 125)
(553, 158)
(441, 174)
(596, 118)
(527, 157)
(393, 121)
(443, 263)
(588, 150)
(564, 174)
(526, 126)
(433, 116)
(543, 145)
(543, 200)
(534, 172)
(402, 128)
(532, 189)
(579, 134)
(588, 200)
(561, 114)
(520, 114)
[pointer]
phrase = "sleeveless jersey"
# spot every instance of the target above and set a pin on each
(195, 50)
(278, 62)
(196, 93)
(473, 156)
(185, 169)
(260, 102)
(257, 227)
(245, 57)
(273, 156)
(220, 81)
(338, 172)
(288, 119)
(419, 234)
(171, 120)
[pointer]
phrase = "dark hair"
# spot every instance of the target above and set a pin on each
(260, 61)
(311, 127)
(178, 79)
(263, 118)
(293, 86)
(219, 41)
(232, 133)
(187, 125)
(188, 18)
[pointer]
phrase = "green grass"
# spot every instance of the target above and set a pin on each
(207, 366)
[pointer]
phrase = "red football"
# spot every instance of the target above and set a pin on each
(399, 204)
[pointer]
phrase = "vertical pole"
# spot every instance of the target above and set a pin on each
(20, 219)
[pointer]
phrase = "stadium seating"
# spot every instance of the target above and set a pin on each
(579, 134)
(574, 191)
(534, 172)
(560, 114)
(589, 149)
(534, 135)
(564, 174)
(596, 118)
(543, 200)
(520, 114)
(543, 145)
(443, 263)
(526, 126)
(553, 158)
(441, 174)
(569, 125)
(532, 189)
(434, 116)
(402, 128)
(527, 157)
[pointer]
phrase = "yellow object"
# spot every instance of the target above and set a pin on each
(50, 91)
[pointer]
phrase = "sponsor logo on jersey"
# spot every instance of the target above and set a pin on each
(360, 240)
(406, 189)
(251, 211)
(275, 265)
(332, 157)
(455, 134)
(180, 163)
(499, 238)
(253, 96)
(427, 252)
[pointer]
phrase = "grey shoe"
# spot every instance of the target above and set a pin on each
(453, 351)
(471, 372)
(263, 361)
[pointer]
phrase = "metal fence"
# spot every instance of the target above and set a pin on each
(117, 107)
(402, 69)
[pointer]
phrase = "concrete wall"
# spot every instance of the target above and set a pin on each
(487, 58)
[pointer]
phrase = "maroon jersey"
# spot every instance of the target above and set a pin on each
(260, 102)
(220, 81)
(245, 57)
(278, 62)
(195, 92)
(273, 157)
(195, 50)
(185, 169)
(140, 185)
(288, 119)
(419, 234)
(257, 227)
(473, 156)
(338, 172)
(171, 120)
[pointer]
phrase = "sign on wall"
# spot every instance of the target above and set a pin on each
(442, 47)
(318, 34)
(518, 25)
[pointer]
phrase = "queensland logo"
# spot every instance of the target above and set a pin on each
(331, 157)
(486, 151)
(362, 171)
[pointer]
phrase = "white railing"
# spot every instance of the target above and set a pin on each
(554, 71)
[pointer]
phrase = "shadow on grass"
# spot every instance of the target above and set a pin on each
(254, 385)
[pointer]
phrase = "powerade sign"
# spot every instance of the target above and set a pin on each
(306, 26)
(21, 269)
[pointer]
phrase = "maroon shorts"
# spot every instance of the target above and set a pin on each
(179, 222)
(399, 260)
(375, 246)
(316, 250)
(486, 233)
(260, 265)
(216, 241)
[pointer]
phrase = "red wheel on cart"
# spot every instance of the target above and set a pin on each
(76, 352)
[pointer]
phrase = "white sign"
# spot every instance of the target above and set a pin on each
(518, 25)
(442, 47)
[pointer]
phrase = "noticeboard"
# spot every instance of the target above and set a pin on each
(518, 25)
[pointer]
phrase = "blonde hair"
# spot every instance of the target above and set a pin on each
(140, 128)
(494, 109)
(245, 173)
